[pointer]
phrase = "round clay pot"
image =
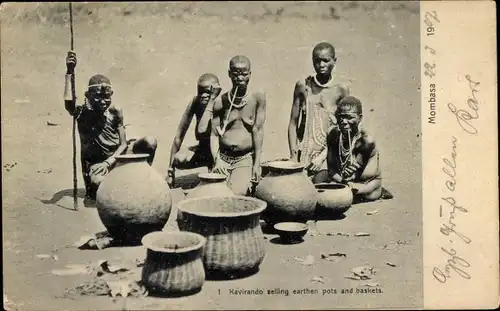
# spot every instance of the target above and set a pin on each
(133, 199)
(211, 184)
(334, 198)
(289, 193)
(235, 243)
(173, 263)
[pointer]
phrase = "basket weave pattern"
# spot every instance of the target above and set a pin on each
(171, 272)
(235, 243)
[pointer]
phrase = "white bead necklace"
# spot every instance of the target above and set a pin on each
(345, 154)
(234, 97)
(327, 84)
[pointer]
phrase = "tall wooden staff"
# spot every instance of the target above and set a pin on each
(73, 95)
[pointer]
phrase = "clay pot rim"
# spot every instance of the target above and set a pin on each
(261, 206)
(330, 186)
(147, 241)
(212, 177)
(135, 156)
(281, 165)
(303, 227)
(265, 163)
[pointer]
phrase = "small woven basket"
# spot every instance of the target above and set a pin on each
(173, 263)
(235, 243)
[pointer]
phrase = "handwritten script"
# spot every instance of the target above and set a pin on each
(454, 262)
(466, 117)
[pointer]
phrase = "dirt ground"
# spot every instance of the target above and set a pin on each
(153, 55)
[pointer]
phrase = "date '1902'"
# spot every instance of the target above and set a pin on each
(430, 20)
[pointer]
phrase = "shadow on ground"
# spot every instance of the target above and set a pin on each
(59, 195)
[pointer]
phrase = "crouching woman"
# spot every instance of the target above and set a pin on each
(353, 158)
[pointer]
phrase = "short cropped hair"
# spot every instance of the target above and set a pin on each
(324, 46)
(99, 79)
(348, 103)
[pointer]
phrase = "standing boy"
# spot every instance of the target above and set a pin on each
(314, 103)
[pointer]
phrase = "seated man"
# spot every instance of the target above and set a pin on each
(101, 129)
(200, 106)
(238, 130)
(352, 155)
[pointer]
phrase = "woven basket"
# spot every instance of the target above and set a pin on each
(173, 263)
(235, 243)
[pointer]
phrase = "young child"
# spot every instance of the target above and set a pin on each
(198, 155)
(353, 158)
(101, 129)
(314, 102)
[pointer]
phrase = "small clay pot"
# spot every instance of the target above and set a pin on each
(173, 263)
(291, 232)
(334, 198)
(211, 184)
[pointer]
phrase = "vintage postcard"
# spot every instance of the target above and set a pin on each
(249, 155)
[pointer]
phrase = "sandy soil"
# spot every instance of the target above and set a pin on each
(153, 55)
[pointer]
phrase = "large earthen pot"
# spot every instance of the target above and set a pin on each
(133, 199)
(334, 198)
(173, 263)
(289, 193)
(211, 184)
(231, 225)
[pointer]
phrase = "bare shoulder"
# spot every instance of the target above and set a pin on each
(332, 135)
(300, 86)
(193, 104)
(260, 96)
(367, 139)
(115, 110)
(193, 101)
(218, 102)
(343, 89)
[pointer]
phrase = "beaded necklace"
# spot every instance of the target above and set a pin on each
(242, 103)
(327, 84)
(345, 154)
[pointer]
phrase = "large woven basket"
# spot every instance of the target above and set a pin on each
(235, 243)
(173, 264)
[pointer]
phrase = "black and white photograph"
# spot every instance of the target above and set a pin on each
(212, 155)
